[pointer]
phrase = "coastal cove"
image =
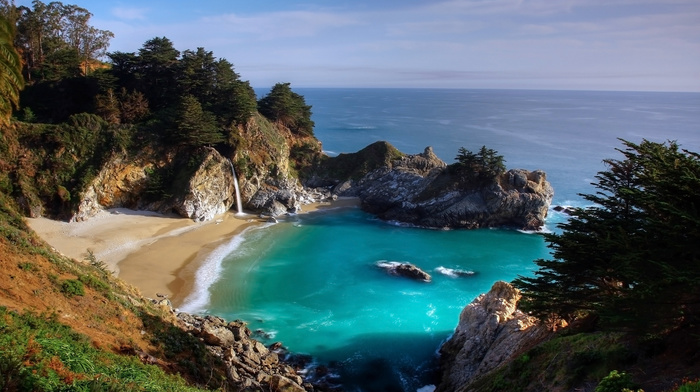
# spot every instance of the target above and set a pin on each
(300, 282)
(312, 281)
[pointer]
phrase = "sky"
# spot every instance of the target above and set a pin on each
(649, 45)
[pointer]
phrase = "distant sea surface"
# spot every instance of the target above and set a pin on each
(312, 281)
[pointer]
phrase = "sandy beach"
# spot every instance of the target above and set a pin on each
(157, 253)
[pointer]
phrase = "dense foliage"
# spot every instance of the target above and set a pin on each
(11, 81)
(56, 40)
(288, 108)
(485, 164)
(633, 259)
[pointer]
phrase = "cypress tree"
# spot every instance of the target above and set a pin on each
(633, 259)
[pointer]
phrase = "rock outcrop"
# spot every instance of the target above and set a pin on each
(207, 190)
(119, 183)
(210, 190)
(424, 191)
(250, 365)
(197, 183)
(491, 331)
(406, 270)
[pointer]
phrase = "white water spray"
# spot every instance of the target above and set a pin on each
(239, 205)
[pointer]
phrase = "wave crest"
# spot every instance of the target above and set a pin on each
(454, 273)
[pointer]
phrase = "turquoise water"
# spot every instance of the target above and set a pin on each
(311, 281)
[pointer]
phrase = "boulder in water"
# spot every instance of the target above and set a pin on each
(406, 270)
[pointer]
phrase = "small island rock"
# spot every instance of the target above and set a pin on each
(406, 270)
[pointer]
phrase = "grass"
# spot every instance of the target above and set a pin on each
(356, 165)
(564, 362)
(38, 353)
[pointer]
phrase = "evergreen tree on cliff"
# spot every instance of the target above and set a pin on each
(634, 258)
(195, 126)
(289, 108)
(11, 81)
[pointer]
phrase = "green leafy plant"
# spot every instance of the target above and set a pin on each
(72, 287)
(616, 382)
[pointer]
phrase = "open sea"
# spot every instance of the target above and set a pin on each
(312, 281)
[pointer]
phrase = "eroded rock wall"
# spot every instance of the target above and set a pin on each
(491, 331)
(422, 190)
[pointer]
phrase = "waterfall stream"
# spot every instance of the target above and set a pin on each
(239, 205)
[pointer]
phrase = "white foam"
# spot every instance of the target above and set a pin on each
(388, 264)
(542, 230)
(208, 273)
(454, 273)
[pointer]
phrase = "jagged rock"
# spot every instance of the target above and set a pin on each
(210, 190)
(422, 190)
(122, 182)
(119, 183)
(215, 332)
(565, 210)
(283, 384)
(277, 197)
(406, 270)
(490, 332)
(250, 364)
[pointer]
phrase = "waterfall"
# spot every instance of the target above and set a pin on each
(239, 205)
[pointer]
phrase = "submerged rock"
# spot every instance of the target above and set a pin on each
(406, 270)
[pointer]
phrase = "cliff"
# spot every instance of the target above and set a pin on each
(202, 192)
(424, 191)
(491, 332)
(58, 177)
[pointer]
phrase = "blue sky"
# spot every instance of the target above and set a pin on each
(539, 44)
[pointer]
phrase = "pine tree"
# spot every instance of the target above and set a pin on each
(633, 259)
(196, 127)
(289, 108)
(11, 81)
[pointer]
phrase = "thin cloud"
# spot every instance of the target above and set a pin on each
(130, 13)
(280, 24)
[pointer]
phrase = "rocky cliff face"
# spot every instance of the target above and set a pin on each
(210, 190)
(491, 331)
(199, 184)
(206, 191)
(422, 190)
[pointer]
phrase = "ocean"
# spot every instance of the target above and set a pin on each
(312, 281)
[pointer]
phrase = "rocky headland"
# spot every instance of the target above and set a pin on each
(420, 189)
(424, 191)
(491, 332)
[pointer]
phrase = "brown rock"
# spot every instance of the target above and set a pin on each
(490, 332)
(283, 384)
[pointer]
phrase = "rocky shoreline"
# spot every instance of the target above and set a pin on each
(491, 332)
(250, 365)
(419, 190)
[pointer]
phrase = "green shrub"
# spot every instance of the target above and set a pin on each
(94, 283)
(72, 287)
(26, 266)
(691, 386)
(615, 382)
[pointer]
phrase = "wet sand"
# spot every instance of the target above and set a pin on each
(158, 254)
